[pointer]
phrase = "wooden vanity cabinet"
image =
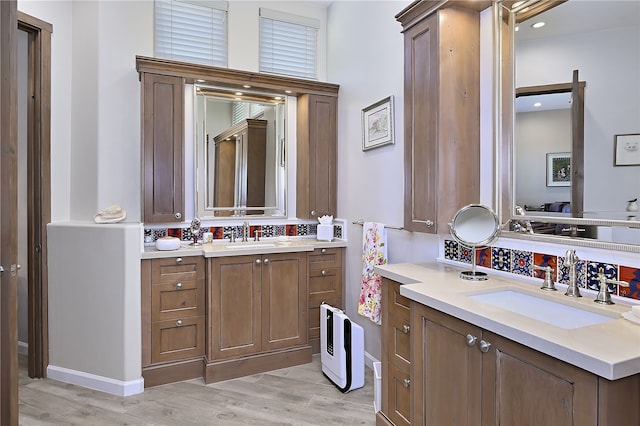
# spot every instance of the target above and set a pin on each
(173, 318)
(317, 136)
(465, 375)
(397, 383)
(257, 314)
(441, 112)
(325, 285)
(162, 111)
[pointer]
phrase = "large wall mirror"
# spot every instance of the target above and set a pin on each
(240, 153)
(586, 197)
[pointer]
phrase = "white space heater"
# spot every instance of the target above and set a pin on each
(341, 349)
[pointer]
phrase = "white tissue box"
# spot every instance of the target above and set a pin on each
(325, 232)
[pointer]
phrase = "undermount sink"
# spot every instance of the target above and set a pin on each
(237, 246)
(541, 309)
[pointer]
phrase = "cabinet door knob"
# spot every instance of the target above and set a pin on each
(179, 323)
(323, 251)
(429, 223)
(266, 261)
(406, 329)
(178, 260)
(406, 383)
(258, 261)
(323, 272)
(178, 215)
(471, 340)
(179, 286)
(313, 212)
(484, 346)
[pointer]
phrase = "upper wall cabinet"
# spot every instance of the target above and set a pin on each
(316, 150)
(162, 148)
(441, 111)
(163, 130)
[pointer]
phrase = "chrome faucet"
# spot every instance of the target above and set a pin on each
(604, 297)
(571, 262)
(245, 232)
(548, 284)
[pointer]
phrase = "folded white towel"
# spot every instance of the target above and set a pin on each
(111, 214)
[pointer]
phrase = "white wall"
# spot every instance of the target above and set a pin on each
(608, 61)
(539, 133)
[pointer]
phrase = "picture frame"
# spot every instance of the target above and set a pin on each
(627, 150)
(559, 169)
(377, 124)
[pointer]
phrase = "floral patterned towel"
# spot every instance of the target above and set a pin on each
(374, 252)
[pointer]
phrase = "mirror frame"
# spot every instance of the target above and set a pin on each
(505, 18)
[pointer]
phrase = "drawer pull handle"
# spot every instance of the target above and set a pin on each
(471, 340)
(484, 346)
(179, 286)
(178, 260)
(406, 383)
(179, 323)
(323, 272)
(406, 329)
(178, 215)
(323, 251)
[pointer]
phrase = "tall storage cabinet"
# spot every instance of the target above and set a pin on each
(317, 157)
(442, 113)
(162, 148)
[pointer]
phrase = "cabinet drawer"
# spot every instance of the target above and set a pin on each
(399, 305)
(328, 280)
(176, 269)
(177, 300)
(399, 388)
(177, 339)
(399, 342)
(325, 258)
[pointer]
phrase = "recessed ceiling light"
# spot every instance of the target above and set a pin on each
(200, 80)
(517, 29)
(238, 99)
(238, 93)
(287, 91)
(538, 25)
(537, 104)
(246, 86)
(277, 98)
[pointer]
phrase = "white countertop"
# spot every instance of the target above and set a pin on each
(610, 349)
(226, 248)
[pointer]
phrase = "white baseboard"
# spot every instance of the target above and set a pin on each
(92, 381)
(23, 348)
(369, 360)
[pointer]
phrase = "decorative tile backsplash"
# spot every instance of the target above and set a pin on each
(151, 234)
(521, 262)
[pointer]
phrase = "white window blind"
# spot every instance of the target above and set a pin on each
(193, 31)
(288, 44)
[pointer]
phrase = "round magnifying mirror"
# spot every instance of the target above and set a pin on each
(475, 226)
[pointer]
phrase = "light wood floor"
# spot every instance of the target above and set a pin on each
(293, 396)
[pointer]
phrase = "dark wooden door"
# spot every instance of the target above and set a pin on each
(8, 215)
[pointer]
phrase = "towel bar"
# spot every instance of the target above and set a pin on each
(361, 222)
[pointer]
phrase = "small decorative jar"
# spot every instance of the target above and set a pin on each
(632, 205)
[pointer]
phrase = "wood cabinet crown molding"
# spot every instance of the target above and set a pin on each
(420, 9)
(232, 78)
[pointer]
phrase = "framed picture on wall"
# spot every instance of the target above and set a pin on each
(559, 169)
(627, 150)
(377, 124)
